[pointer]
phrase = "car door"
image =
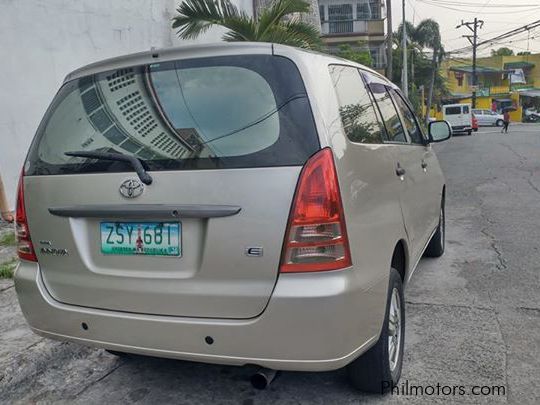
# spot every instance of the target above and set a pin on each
(430, 180)
(487, 117)
(480, 117)
(491, 118)
(407, 163)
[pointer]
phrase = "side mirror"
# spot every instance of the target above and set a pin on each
(439, 131)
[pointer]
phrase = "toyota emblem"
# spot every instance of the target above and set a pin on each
(131, 188)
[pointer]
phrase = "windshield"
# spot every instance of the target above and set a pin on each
(235, 111)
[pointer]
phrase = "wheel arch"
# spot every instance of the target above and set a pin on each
(443, 195)
(400, 259)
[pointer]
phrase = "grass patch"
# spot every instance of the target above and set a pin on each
(7, 268)
(8, 239)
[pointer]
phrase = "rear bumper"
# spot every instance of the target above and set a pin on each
(313, 322)
(461, 128)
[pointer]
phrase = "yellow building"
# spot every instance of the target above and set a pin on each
(501, 80)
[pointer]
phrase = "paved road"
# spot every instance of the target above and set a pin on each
(473, 315)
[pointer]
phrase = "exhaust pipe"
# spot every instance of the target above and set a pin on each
(263, 378)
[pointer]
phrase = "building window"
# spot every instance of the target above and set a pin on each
(321, 13)
(340, 17)
(368, 10)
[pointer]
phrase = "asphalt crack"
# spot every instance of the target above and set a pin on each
(493, 243)
(6, 288)
(108, 373)
(536, 311)
(460, 306)
(522, 160)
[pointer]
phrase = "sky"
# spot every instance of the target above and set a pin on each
(497, 15)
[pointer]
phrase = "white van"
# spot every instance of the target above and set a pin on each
(459, 117)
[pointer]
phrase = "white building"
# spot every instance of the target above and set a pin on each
(359, 23)
(43, 40)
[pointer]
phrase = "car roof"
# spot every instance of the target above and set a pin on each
(208, 50)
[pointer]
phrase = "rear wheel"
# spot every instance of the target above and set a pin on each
(436, 244)
(499, 123)
(379, 368)
(469, 132)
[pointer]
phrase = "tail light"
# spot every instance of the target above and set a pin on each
(316, 237)
(25, 249)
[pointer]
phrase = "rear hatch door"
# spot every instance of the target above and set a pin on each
(224, 139)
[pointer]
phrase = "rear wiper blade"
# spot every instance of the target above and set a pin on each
(135, 162)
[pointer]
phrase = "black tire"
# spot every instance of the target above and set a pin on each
(437, 242)
(499, 123)
(469, 132)
(372, 372)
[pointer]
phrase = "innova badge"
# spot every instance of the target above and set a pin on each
(131, 188)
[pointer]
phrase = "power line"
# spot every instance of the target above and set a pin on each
(505, 35)
(473, 39)
(468, 4)
(436, 4)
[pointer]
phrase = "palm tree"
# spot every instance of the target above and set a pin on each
(427, 34)
(414, 49)
(279, 22)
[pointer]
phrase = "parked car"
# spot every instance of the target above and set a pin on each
(531, 114)
(459, 117)
(243, 203)
(488, 118)
(474, 123)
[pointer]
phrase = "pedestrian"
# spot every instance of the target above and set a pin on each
(5, 213)
(506, 122)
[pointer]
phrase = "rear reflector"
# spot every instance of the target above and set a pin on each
(316, 237)
(25, 249)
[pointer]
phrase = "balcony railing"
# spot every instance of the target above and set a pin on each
(486, 91)
(344, 27)
(340, 27)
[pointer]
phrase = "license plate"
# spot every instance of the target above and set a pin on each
(141, 238)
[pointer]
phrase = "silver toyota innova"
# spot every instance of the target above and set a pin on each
(244, 203)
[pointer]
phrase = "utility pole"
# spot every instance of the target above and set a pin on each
(404, 78)
(389, 43)
(473, 39)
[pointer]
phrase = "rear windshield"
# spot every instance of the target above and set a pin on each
(453, 110)
(221, 112)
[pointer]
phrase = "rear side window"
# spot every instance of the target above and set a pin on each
(453, 110)
(465, 109)
(415, 133)
(221, 112)
(394, 128)
(355, 107)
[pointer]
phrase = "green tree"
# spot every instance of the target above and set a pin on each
(504, 51)
(279, 22)
(523, 53)
(423, 70)
(428, 35)
(362, 55)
